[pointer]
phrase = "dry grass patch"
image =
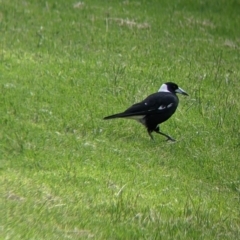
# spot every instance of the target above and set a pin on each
(129, 23)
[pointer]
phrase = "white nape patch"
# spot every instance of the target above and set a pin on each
(169, 105)
(145, 103)
(138, 117)
(162, 107)
(163, 88)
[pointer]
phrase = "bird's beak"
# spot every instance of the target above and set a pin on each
(181, 91)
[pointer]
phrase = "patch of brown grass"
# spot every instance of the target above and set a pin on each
(129, 23)
(231, 44)
(79, 5)
(202, 23)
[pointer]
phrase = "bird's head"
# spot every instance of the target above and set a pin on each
(172, 88)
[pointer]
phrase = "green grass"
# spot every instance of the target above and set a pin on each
(66, 173)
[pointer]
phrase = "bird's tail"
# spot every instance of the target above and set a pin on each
(118, 115)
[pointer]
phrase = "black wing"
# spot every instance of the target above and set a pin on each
(157, 103)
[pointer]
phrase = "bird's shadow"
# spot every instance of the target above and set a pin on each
(140, 140)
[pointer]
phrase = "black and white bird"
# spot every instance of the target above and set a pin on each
(155, 109)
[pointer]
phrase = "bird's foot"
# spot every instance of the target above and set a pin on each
(170, 139)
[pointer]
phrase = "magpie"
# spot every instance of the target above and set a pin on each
(155, 109)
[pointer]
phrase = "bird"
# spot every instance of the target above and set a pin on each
(155, 109)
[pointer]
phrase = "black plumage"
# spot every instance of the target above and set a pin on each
(155, 109)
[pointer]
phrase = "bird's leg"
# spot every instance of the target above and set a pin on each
(150, 134)
(167, 136)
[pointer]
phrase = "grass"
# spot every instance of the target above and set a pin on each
(66, 173)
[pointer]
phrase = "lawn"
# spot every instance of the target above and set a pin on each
(68, 174)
